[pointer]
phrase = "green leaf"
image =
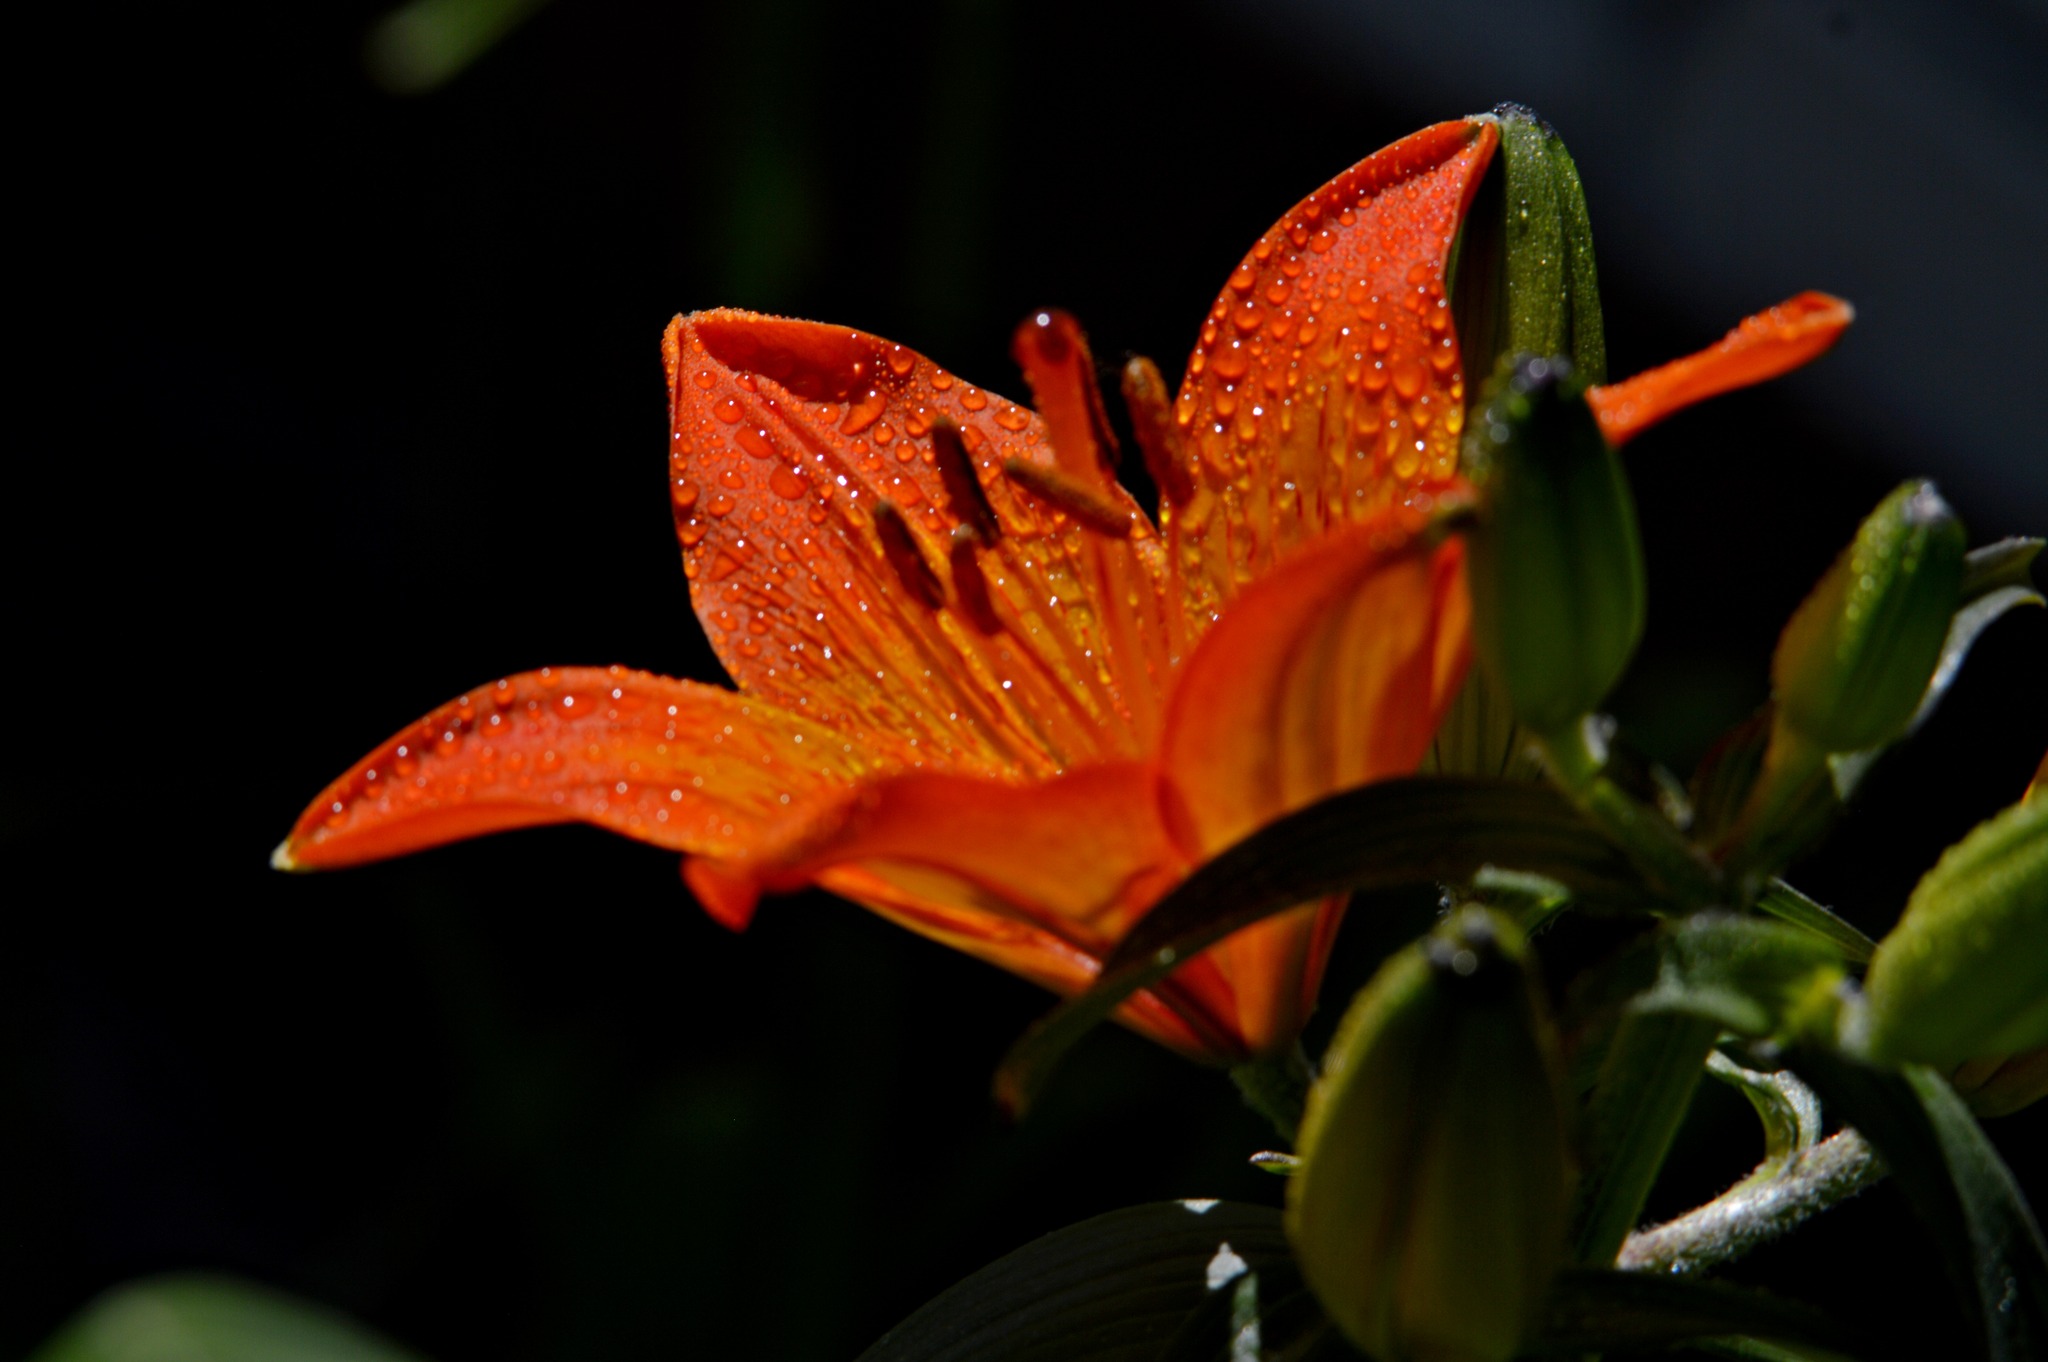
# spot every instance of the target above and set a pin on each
(1415, 830)
(1781, 901)
(1594, 1310)
(1970, 622)
(1958, 1186)
(201, 1318)
(1645, 1085)
(1117, 1288)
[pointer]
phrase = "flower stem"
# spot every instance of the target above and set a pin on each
(1577, 757)
(1276, 1087)
(1757, 1209)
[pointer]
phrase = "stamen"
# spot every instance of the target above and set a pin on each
(1050, 485)
(970, 588)
(964, 492)
(1158, 437)
(900, 548)
(1052, 350)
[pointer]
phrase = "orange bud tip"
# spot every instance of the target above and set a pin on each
(1065, 494)
(282, 858)
(900, 548)
(1766, 345)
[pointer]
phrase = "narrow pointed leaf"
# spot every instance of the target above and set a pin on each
(1416, 830)
(2007, 562)
(1116, 1288)
(1781, 901)
(1961, 1190)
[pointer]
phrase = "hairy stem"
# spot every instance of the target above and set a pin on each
(1756, 1210)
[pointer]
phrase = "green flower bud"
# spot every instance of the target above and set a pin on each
(1965, 973)
(1856, 657)
(1556, 568)
(1428, 1211)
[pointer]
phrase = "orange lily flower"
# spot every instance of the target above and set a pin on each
(979, 691)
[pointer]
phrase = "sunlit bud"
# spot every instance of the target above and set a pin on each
(1557, 569)
(1965, 973)
(1428, 1210)
(1855, 659)
(1523, 275)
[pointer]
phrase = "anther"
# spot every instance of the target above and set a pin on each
(1052, 350)
(1050, 485)
(970, 588)
(964, 493)
(900, 548)
(1158, 437)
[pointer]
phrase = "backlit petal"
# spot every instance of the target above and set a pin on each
(1329, 673)
(1188, 1012)
(685, 766)
(1042, 879)
(838, 578)
(1080, 854)
(1327, 384)
(1764, 346)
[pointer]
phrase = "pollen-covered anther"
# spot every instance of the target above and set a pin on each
(899, 546)
(1065, 494)
(1145, 396)
(964, 493)
(970, 587)
(1052, 350)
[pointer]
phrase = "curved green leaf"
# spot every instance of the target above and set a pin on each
(1416, 830)
(1958, 1186)
(203, 1318)
(1118, 1288)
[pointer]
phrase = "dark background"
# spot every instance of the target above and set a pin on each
(348, 400)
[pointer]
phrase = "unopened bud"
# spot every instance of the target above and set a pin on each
(1965, 973)
(1557, 567)
(1854, 662)
(1428, 1211)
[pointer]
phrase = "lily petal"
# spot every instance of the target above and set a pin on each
(686, 766)
(1181, 1012)
(1041, 879)
(1331, 672)
(839, 576)
(1082, 854)
(1327, 384)
(1773, 342)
